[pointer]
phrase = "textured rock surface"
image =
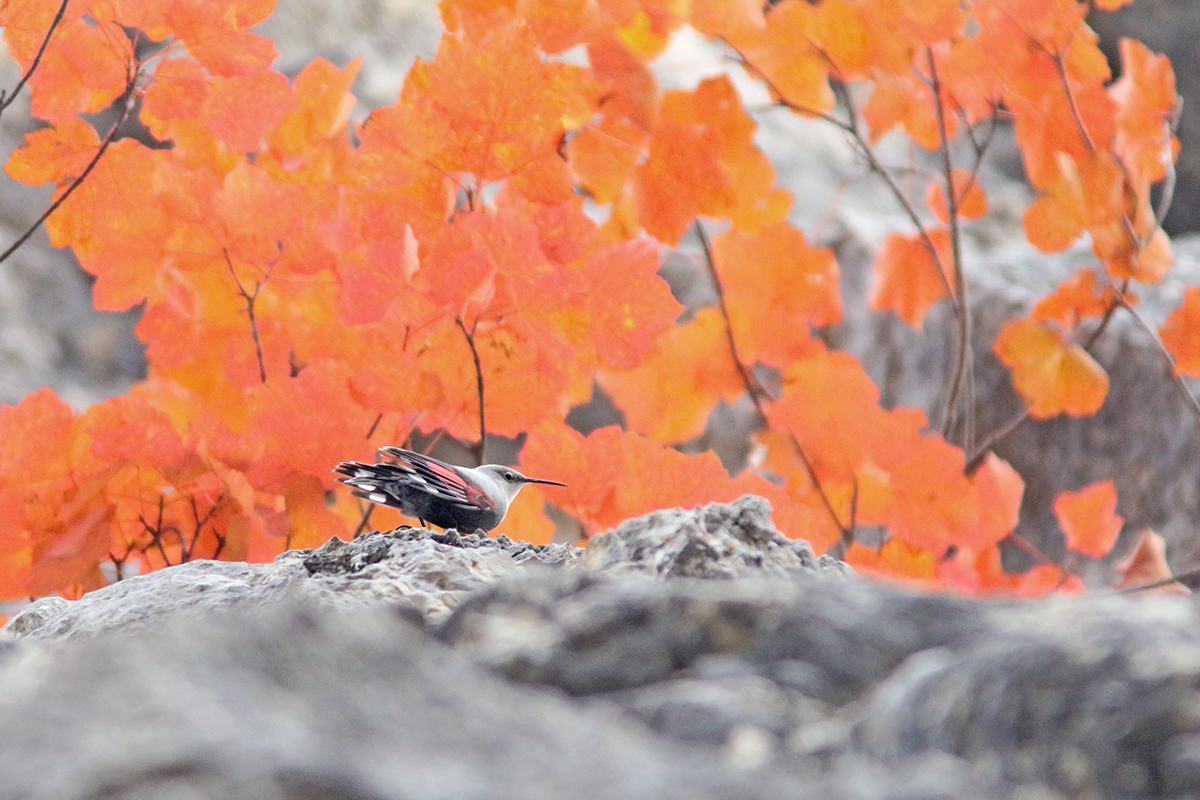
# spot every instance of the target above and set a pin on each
(430, 572)
(716, 541)
(385, 667)
(319, 704)
(420, 570)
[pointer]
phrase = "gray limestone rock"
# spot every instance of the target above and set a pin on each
(718, 540)
(385, 667)
(307, 703)
(423, 571)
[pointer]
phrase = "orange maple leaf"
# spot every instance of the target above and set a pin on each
(999, 489)
(971, 201)
(627, 86)
(1145, 98)
(1053, 377)
(493, 108)
(1145, 563)
(776, 285)
(627, 303)
(785, 53)
(934, 504)
(54, 154)
(702, 161)
(827, 402)
(669, 396)
(1089, 518)
(612, 475)
(1046, 578)
(1077, 298)
(908, 279)
(1181, 334)
(896, 560)
(903, 99)
(604, 155)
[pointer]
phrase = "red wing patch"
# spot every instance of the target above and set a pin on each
(476, 497)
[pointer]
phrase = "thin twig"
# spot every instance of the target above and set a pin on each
(962, 313)
(753, 388)
(364, 521)
(751, 384)
(250, 311)
(1141, 587)
(7, 100)
(477, 450)
(62, 198)
(374, 425)
(1165, 353)
(1032, 549)
(1061, 67)
(877, 167)
(976, 459)
(781, 100)
(1169, 176)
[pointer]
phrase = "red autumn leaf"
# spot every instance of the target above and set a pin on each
(1046, 578)
(828, 401)
(896, 560)
(1053, 377)
(1181, 334)
(972, 202)
(627, 302)
(999, 489)
(785, 54)
(612, 475)
(669, 396)
(603, 157)
(1077, 298)
(492, 108)
(932, 20)
(702, 161)
(776, 285)
(907, 277)
(1145, 98)
(1089, 518)
(626, 83)
(934, 504)
(85, 68)
(71, 552)
(1146, 563)
(219, 40)
(54, 154)
(35, 437)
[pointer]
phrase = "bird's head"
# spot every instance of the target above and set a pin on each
(508, 481)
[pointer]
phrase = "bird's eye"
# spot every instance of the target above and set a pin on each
(510, 476)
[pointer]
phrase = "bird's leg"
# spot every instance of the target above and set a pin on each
(424, 524)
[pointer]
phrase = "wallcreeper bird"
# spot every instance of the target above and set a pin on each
(433, 491)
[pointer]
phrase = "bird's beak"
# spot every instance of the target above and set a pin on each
(539, 480)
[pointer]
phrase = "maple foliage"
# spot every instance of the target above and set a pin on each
(473, 259)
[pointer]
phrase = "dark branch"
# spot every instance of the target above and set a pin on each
(477, 450)
(75, 184)
(7, 100)
(250, 299)
(753, 388)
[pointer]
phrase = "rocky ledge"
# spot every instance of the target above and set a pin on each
(686, 654)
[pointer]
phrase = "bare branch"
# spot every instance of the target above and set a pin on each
(109, 138)
(975, 460)
(962, 313)
(477, 450)
(7, 100)
(1165, 353)
(753, 388)
(251, 298)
